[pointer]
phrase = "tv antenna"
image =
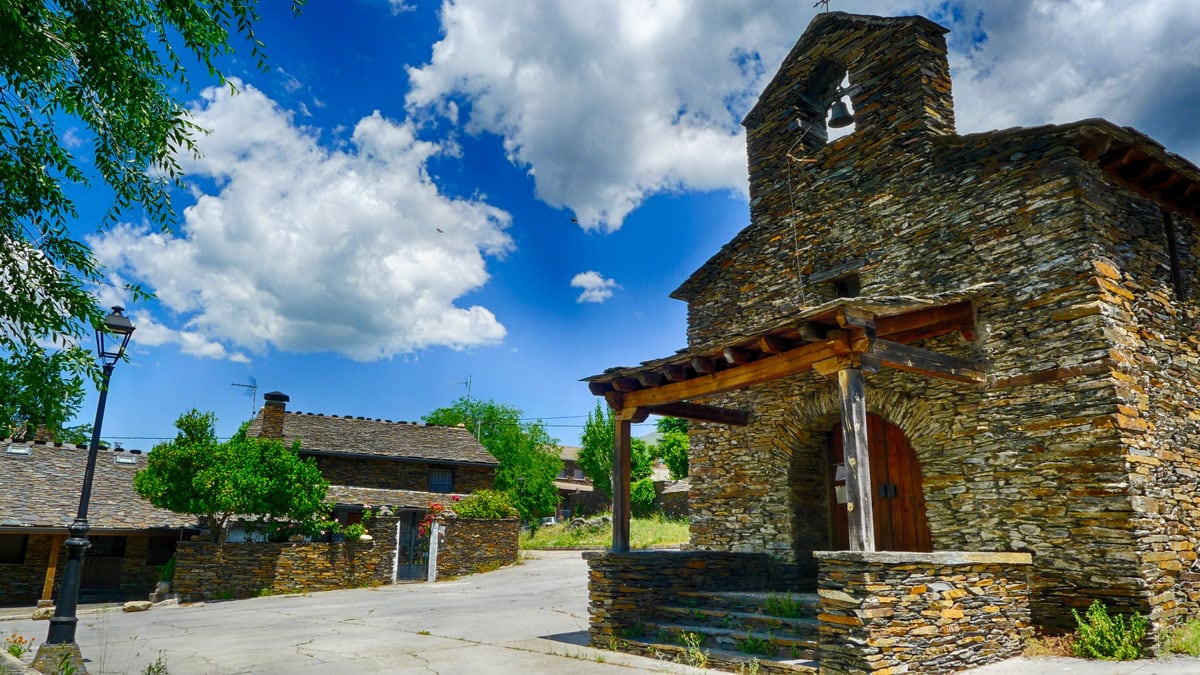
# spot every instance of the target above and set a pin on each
(822, 3)
(251, 387)
(468, 383)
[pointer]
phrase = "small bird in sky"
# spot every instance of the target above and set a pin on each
(440, 230)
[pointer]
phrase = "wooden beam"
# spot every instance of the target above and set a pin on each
(704, 365)
(701, 413)
(599, 388)
(926, 362)
(859, 508)
(52, 566)
(620, 486)
(926, 323)
(775, 344)
(626, 384)
(675, 373)
(738, 356)
(649, 378)
(763, 370)
(810, 332)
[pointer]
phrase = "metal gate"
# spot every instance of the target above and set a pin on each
(412, 550)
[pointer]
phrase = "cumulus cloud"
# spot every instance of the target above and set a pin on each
(1026, 63)
(608, 103)
(308, 249)
(595, 287)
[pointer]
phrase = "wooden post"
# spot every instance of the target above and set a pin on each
(52, 566)
(620, 486)
(860, 514)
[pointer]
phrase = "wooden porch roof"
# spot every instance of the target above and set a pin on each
(870, 331)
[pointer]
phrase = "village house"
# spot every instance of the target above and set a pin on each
(39, 496)
(950, 382)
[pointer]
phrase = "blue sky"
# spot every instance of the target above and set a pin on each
(417, 193)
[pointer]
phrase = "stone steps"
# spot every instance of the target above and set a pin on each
(716, 658)
(734, 632)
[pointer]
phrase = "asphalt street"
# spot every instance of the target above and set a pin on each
(527, 619)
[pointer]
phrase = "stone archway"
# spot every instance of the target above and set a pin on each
(803, 434)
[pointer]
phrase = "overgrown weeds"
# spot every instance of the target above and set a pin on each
(1101, 636)
(1184, 639)
(784, 606)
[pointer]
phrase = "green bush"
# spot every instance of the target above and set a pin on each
(485, 504)
(1100, 636)
(167, 572)
(641, 498)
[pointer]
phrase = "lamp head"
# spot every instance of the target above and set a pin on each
(117, 325)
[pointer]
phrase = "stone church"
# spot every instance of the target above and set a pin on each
(931, 342)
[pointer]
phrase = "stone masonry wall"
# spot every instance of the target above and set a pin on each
(625, 588)
(22, 584)
(393, 475)
(470, 545)
(1156, 356)
(205, 570)
(1037, 459)
(921, 612)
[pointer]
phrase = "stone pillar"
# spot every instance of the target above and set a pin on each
(274, 408)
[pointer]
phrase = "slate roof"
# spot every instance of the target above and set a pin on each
(334, 435)
(376, 497)
(41, 490)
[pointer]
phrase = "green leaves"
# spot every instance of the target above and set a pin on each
(244, 476)
(595, 458)
(106, 71)
(40, 388)
(529, 457)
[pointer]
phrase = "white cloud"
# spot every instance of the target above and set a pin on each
(1028, 63)
(151, 333)
(309, 249)
(608, 103)
(595, 287)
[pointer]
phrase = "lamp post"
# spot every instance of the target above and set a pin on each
(60, 643)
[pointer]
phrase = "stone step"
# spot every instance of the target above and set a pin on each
(749, 642)
(780, 603)
(717, 658)
(725, 618)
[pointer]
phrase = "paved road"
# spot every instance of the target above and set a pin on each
(524, 620)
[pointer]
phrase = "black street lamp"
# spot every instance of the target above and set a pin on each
(60, 643)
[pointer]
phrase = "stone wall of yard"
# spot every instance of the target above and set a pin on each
(205, 570)
(921, 612)
(469, 545)
(624, 589)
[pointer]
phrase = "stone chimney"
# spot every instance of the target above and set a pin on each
(274, 407)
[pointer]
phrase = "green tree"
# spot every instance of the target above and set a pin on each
(197, 474)
(529, 457)
(595, 457)
(673, 445)
(109, 70)
(40, 388)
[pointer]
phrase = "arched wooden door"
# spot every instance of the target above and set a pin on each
(898, 498)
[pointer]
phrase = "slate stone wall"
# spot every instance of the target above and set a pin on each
(393, 475)
(921, 612)
(624, 589)
(205, 570)
(22, 584)
(1080, 449)
(470, 545)
(1151, 325)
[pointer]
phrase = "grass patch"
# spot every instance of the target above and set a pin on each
(653, 532)
(1100, 635)
(1183, 639)
(784, 606)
